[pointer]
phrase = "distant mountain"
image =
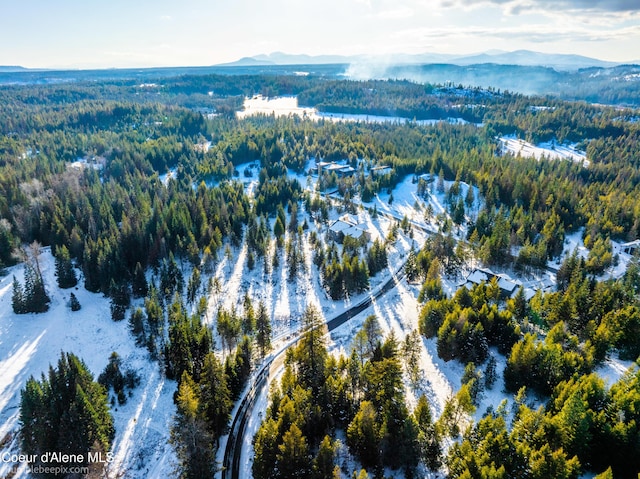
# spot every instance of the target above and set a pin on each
(12, 69)
(530, 59)
(498, 57)
(279, 58)
(247, 62)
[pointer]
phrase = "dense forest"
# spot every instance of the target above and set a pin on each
(132, 185)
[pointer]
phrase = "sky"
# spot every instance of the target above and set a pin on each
(144, 33)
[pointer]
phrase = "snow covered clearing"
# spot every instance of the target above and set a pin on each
(550, 150)
(30, 343)
(279, 106)
(288, 105)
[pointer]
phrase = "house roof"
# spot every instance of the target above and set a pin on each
(348, 225)
(478, 276)
(631, 243)
(507, 284)
(339, 226)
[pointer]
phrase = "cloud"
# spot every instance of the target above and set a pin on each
(534, 33)
(395, 14)
(520, 6)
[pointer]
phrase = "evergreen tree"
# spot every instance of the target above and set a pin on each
(293, 455)
(136, 326)
(490, 374)
(120, 299)
(139, 286)
(193, 286)
(229, 327)
(65, 273)
(17, 298)
(194, 445)
(428, 439)
(249, 317)
(363, 435)
(311, 352)
(74, 303)
(215, 396)
(65, 412)
(32, 298)
(265, 447)
(263, 330)
(323, 463)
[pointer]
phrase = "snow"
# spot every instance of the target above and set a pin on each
(30, 343)
(550, 150)
(574, 242)
(169, 175)
(385, 119)
(280, 106)
(288, 105)
(613, 369)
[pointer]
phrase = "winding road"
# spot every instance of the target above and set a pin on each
(233, 450)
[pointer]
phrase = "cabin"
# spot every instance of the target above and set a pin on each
(347, 225)
(341, 171)
(426, 177)
(508, 287)
(381, 170)
(630, 248)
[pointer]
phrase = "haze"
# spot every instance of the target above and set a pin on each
(120, 33)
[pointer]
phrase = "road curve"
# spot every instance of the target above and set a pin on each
(232, 453)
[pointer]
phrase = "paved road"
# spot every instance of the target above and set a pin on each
(233, 451)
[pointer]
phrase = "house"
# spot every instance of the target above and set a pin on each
(426, 177)
(630, 248)
(381, 170)
(347, 225)
(322, 165)
(345, 171)
(341, 171)
(508, 286)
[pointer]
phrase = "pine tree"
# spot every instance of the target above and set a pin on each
(293, 459)
(65, 273)
(36, 297)
(490, 374)
(193, 286)
(120, 300)
(136, 326)
(265, 447)
(311, 352)
(323, 463)
(249, 317)
(428, 440)
(189, 436)
(363, 435)
(74, 303)
(139, 286)
(65, 412)
(17, 298)
(278, 228)
(215, 396)
(32, 298)
(263, 330)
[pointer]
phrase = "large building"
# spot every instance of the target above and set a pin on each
(508, 286)
(347, 225)
(341, 171)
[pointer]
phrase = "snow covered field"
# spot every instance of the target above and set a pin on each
(550, 150)
(288, 105)
(30, 343)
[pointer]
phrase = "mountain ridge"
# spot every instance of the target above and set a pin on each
(561, 61)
